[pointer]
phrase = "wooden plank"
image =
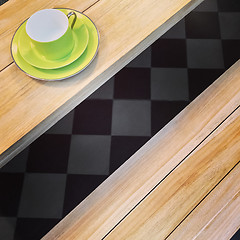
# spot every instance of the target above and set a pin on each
(175, 197)
(10, 19)
(123, 190)
(217, 216)
(28, 105)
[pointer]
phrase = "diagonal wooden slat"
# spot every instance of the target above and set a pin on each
(29, 107)
(175, 197)
(125, 188)
(217, 216)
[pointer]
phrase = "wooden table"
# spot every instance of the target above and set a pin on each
(184, 183)
(29, 107)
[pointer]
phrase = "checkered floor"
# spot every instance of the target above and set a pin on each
(56, 172)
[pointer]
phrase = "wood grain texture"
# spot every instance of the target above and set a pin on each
(217, 216)
(174, 198)
(26, 103)
(126, 187)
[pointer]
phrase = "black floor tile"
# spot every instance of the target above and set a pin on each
(7, 227)
(93, 117)
(229, 5)
(49, 154)
(78, 187)
(131, 118)
(169, 84)
(230, 25)
(164, 111)
(200, 79)
(132, 83)
(42, 195)
(202, 25)
(169, 53)
(33, 228)
(82, 158)
(205, 53)
(207, 6)
(10, 193)
(122, 148)
(231, 52)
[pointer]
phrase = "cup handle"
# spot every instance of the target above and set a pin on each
(75, 18)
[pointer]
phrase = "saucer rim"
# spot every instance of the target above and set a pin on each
(58, 79)
(62, 62)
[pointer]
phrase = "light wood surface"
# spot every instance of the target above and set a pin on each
(104, 208)
(218, 215)
(177, 175)
(29, 107)
(175, 197)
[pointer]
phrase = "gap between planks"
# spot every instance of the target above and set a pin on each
(171, 171)
(204, 218)
(169, 204)
(113, 199)
(45, 103)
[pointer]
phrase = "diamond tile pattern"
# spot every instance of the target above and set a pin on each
(62, 167)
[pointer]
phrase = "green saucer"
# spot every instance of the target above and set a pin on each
(33, 57)
(60, 73)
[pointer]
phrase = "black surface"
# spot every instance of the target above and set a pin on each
(132, 83)
(49, 154)
(202, 25)
(93, 117)
(78, 187)
(33, 228)
(10, 193)
(169, 53)
(122, 148)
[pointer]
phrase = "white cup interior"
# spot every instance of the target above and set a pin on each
(47, 25)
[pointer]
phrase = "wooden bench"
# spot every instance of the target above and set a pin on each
(127, 27)
(183, 184)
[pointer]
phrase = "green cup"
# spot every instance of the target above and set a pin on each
(50, 33)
